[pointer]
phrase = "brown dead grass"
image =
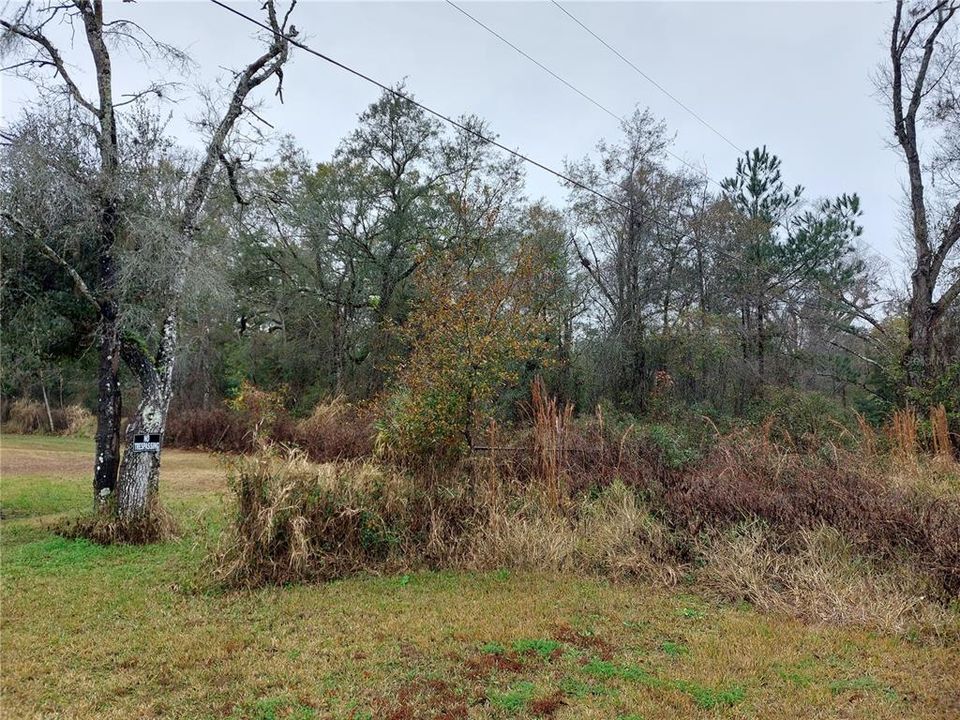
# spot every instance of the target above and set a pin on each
(184, 473)
(156, 525)
(816, 574)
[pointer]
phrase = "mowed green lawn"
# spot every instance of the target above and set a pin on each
(137, 632)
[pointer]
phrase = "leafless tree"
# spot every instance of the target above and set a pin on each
(25, 35)
(923, 82)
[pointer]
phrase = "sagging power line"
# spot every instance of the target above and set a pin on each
(435, 113)
(570, 85)
(649, 79)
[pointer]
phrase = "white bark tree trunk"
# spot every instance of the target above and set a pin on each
(139, 478)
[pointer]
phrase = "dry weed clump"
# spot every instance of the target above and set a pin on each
(816, 574)
(612, 534)
(30, 417)
(297, 521)
(79, 421)
(942, 445)
(105, 528)
(217, 429)
(336, 430)
(746, 479)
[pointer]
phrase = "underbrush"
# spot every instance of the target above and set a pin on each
(295, 521)
(336, 430)
(29, 417)
(105, 527)
(817, 574)
(746, 477)
(811, 536)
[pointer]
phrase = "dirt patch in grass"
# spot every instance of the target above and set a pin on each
(549, 706)
(423, 698)
(24, 457)
(482, 665)
(30, 462)
(589, 643)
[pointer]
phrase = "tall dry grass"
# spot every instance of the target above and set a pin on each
(902, 432)
(29, 417)
(551, 430)
(818, 575)
(942, 445)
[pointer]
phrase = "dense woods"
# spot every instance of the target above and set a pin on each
(412, 276)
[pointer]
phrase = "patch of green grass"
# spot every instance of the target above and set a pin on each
(608, 670)
(54, 554)
(543, 648)
(709, 698)
(601, 668)
(277, 708)
(514, 699)
(864, 683)
(799, 673)
(571, 687)
(493, 648)
(674, 649)
(24, 497)
(796, 678)
(704, 697)
(56, 443)
(691, 613)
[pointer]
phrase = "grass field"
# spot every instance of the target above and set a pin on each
(131, 632)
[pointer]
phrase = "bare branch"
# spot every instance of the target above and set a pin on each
(36, 36)
(231, 168)
(53, 255)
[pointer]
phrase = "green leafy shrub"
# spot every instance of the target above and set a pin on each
(672, 444)
(803, 419)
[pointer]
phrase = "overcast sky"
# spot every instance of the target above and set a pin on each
(794, 76)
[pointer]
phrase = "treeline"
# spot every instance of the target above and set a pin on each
(411, 270)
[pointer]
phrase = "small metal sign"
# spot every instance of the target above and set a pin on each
(146, 443)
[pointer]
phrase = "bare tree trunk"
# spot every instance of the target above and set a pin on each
(913, 43)
(920, 363)
(140, 471)
(46, 403)
(109, 401)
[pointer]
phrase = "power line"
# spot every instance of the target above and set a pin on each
(446, 118)
(536, 62)
(570, 85)
(649, 79)
(403, 96)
